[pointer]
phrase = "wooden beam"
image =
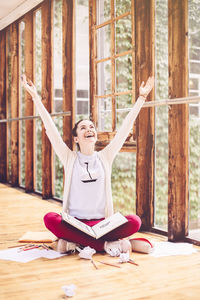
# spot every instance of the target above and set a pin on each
(14, 103)
(144, 35)
(68, 20)
(47, 78)
(29, 43)
(3, 126)
(8, 110)
(178, 120)
(92, 59)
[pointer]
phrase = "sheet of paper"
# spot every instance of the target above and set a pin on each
(51, 254)
(169, 248)
(15, 254)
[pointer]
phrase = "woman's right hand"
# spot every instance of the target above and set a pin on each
(29, 87)
(145, 89)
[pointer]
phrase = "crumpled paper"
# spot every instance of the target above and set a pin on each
(69, 290)
(86, 252)
(124, 257)
(114, 252)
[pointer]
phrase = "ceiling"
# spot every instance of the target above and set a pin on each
(11, 10)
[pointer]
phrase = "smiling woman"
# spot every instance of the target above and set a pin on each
(87, 188)
(85, 136)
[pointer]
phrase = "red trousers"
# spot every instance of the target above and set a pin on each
(62, 230)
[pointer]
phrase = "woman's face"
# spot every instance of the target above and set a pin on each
(86, 133)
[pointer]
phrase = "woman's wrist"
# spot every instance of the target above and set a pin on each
(36, 98)
(143, 96)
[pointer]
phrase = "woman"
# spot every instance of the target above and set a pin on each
(87, 188)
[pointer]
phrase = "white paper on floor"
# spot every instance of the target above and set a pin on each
(15, 254)
(169, 248)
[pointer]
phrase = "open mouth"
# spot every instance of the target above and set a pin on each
(89, 136)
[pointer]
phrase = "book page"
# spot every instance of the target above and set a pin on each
(109, 224)
(78, 224)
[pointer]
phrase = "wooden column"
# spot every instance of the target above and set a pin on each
(3, 138)
(47, 79)
(29, 42)
(178, 120)
(14, 103)
(144, 41)
(68, 69)
(92, 58)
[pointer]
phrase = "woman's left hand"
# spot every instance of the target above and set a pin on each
(29, 86)
(145, 89)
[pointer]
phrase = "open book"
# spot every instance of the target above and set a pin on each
(100, 228)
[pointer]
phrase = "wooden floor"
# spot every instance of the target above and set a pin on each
(171, 277)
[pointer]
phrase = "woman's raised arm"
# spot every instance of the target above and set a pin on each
(52, 132)
(116, 144)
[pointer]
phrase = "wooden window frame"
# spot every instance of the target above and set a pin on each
(145, 127)
(178, 121)
(105, 137)
(29, 109)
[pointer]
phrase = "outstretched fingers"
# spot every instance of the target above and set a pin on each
(146, 88)
(150, 82)
(29, 86)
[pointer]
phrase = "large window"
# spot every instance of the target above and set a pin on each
(57, 183)
(113, 58)
(161, 116)
(82, 60)
(114, 63)
(22, 106)
(38, 83)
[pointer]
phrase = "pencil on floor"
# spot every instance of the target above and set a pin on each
(109, 264)
(92, 261)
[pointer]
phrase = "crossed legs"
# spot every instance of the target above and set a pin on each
(54, 223)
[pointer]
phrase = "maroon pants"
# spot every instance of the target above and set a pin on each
(62, 230)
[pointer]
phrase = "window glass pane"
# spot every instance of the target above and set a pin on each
(122, 7)
(161, 133)
(104, 78)
(103, 11)
(38, 123)
(194, 119)
(82, 60)
(194, 66)
(124, 73)
(103, 42)
(124, 183)
(122, 103)
(104, 114)
(123, 34)
(57, 52)
(58, 96)
(22, 106)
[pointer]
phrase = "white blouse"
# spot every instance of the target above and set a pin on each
(87, 196)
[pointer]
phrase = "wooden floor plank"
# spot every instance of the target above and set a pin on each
(173, 277)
